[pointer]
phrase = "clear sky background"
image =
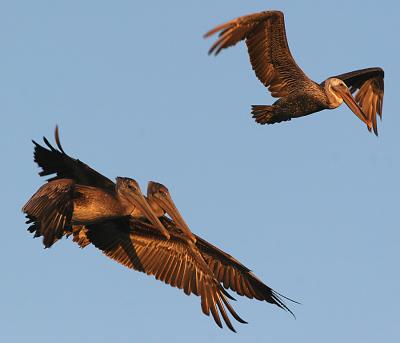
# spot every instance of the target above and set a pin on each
(311, 205)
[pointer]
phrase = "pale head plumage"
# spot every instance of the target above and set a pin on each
(126, 185)
(331, 87)
(129, 189)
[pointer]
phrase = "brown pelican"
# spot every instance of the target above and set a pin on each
(193, 265)
(87, 202)
(275, 67)
(64, 202)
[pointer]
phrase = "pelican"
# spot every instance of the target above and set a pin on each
(64, 202)
(270, 57)
(189, 263)
(87, 202)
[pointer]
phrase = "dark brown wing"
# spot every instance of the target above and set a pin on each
(49, 210)
(370, 86)
(56, 161)
(237, 277)
(268, 49)
(176, 261)
(231, 273)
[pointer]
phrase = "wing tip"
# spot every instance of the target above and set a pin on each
(277, 297)
(57, 139)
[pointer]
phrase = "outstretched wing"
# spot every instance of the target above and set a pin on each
(370, 88)
(56, 161)
(268, 49)
(176, 261)
(237, 277)
(231, 273)
(49, 210)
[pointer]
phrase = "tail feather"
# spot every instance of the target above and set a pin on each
(264, 114)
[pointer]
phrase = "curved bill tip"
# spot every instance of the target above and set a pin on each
(354, 107)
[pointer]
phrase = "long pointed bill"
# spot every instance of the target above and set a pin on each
(141, 203)
(352, 104)
(169, 207)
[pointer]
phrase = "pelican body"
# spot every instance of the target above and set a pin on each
(81, 202)
(273, 64)
(73, 199)
(92, 205)
(307, 100)
(63, 202)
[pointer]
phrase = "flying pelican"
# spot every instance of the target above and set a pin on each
(88, 202)
(64, 202)
(275, 67)
(193, 265)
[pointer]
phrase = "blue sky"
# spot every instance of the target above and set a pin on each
(310, 205)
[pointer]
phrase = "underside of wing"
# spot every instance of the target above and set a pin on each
(49, 211)
(139, 246)
(369, 85)
(56, 161)
(268, 49)
(237, 277)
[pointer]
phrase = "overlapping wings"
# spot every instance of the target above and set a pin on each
(176, 261)
(268, 49)
(49, 211)
(199, 268)
(133, 243)
(124, 246)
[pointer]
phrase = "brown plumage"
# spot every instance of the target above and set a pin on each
(193, 265)
(273, 63)
(161, 202)
(121, 242)
(64, 202)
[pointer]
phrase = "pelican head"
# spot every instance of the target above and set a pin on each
(337, 92)
(129, 190)
(159, 195)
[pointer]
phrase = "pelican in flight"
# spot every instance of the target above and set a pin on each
(64, 202)
(270, 57)
(127, 230)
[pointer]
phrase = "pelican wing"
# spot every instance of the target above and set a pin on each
(230, 272)
(369, 85)
(176, 261)
(56, 161)
(49, 210)
(237, 277)
(268, 49)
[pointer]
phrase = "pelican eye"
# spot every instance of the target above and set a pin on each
(163, 193)
(132, 187)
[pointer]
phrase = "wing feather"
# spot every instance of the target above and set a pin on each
(270, 56)
(50, 210)
(53, 161)
(236, 276)
(176, 261)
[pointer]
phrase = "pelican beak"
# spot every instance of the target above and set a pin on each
(167, 204)
(352, 104)
(141, 203)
